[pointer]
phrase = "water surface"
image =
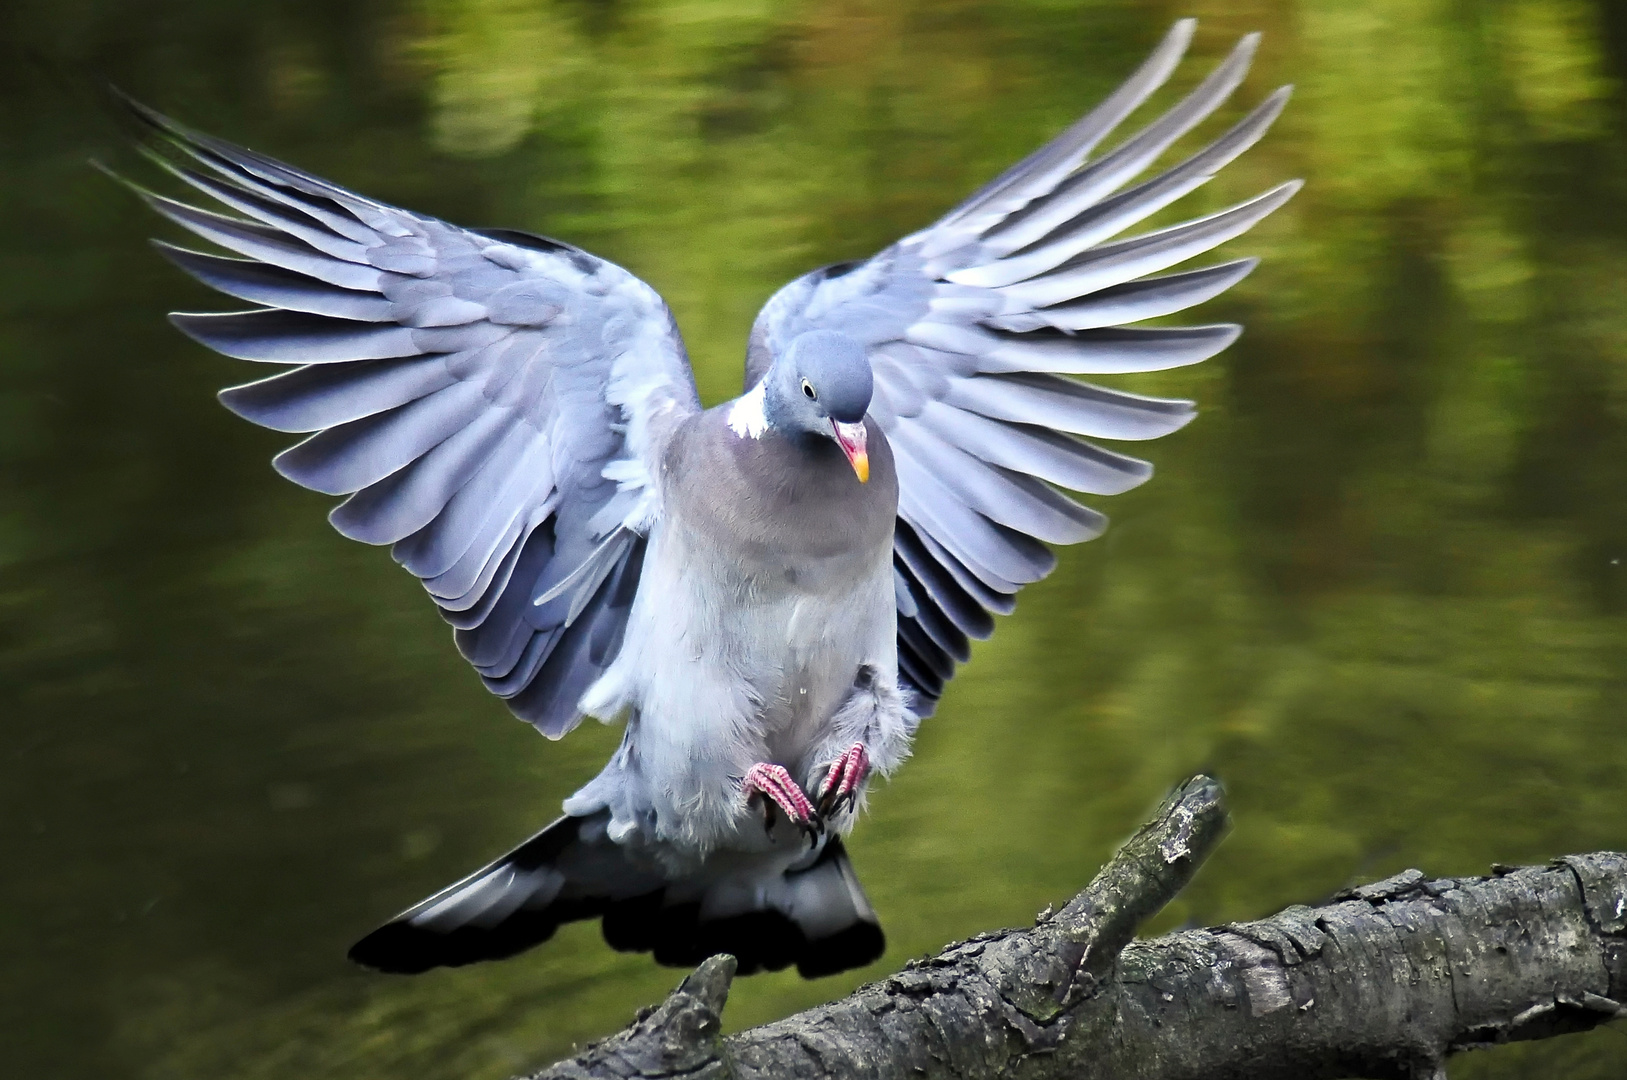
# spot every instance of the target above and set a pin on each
(1378, 587)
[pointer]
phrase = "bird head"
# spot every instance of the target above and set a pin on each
(821, 386)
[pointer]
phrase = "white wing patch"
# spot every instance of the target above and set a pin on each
(746, 416)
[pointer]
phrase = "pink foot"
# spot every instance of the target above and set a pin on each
(841, 784)
(775, 784)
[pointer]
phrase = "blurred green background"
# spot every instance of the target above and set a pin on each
(1378, 587)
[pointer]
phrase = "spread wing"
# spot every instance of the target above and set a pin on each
(975, 324)
(490, 403)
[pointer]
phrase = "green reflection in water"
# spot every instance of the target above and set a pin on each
(1378, 587)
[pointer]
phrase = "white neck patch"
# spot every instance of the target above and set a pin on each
(746, 417)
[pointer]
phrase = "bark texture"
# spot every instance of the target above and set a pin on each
(1385, 981)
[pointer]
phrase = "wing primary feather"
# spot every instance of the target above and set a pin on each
(1124, 162)
(611, 547)
(261, 242)
(1029, 508)
(620, 591)
(319, 396)
(476, 613)
(262, 283)
(1149, 253)
(466, 540)
(483, 646)
(1041, 170)
(922, 704)
(1066, 405)
(270, 176)
(903, 596)
(482, 564)
(452, 551)
(279, 213)
(1111, 216)
(275, 336)
(1037, 451)
(1056, 510)
(973, 538)
(939, 586)
(410, 498)
(465, 584)
(915, 668)
(1000, 602)
(550, 701)
(485, 601)
(606, 558)
(1133, 301)
(538, 645)
(949, 638)
(929, 652)
(1108, 351)
(347, 458)
(332, 206)
(1095, 223)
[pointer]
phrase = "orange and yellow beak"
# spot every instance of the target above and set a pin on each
(851, 438)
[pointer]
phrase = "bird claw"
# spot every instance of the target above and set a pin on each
(840, 789)
(778, 789)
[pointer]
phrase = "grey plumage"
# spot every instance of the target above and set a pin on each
(768, 583)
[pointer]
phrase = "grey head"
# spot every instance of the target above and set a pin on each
(823, 376)
(821, 386)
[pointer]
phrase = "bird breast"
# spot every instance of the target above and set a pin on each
(766, 586)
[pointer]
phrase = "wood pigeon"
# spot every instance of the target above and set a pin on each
(768, 595)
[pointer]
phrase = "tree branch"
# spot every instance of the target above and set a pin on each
(1385, 981)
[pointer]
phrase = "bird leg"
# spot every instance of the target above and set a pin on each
(778, 789)
(841, 786)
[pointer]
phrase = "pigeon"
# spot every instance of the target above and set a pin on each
(768, 595)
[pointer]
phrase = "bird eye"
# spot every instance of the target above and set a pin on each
(808, 391)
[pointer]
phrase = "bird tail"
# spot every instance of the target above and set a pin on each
(816, 917)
